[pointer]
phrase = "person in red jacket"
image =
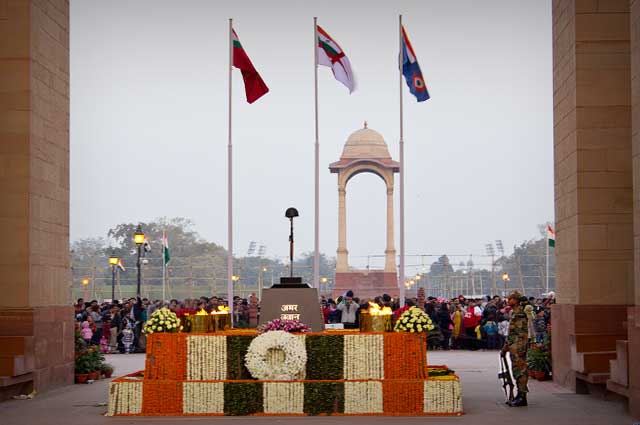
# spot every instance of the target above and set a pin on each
(471, 320)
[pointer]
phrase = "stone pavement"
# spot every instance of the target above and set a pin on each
(482, 399)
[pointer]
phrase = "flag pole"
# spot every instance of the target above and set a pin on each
(229, 189)
(401, 279)
(316, 255)
(547, 274)
(164, 267)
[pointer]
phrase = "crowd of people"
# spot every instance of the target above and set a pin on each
(460, 323)
(117, 326)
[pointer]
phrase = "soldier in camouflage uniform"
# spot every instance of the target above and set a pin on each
(516, 345)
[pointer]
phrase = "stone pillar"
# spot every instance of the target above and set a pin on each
(34, 188)
(593, 183)
(390, 252)
(342, 262)
(633, 317)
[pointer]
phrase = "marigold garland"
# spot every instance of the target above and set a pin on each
(405, 355)
(162, 397)
(401, 396)
(166, 356)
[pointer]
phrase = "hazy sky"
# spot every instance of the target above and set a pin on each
(149, 120)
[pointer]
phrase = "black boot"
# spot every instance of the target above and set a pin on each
(519, 401)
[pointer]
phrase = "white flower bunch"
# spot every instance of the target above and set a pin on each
(414, 320)
(291, 367)
(163, 320)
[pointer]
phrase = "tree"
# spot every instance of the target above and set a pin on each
(441, 267)
(197, 267)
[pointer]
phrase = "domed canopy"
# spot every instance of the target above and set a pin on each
(365, 143)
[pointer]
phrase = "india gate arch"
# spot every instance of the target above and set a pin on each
(365, 152)
(597, 194)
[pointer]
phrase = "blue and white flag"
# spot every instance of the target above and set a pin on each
(411, 70)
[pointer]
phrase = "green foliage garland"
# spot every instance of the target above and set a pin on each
(237, 346)
(323, 398)
(434, 372)
(325, 357)
(242, 398)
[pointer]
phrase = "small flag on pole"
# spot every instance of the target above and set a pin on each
(121, 265)
(551, 236)
(330, 54)
(165, 248)
(254, 86)
(411, 70)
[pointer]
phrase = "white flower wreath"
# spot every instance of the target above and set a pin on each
(291, 368)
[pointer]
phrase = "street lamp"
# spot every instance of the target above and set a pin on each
(236, 279)
(261, 281)
(113, 260)
(85, 283)
(324, 280)
(138, 238)
(505, 279)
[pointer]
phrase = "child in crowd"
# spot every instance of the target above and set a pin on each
(104, 345)
(127, 338)
(491, 329)
(540, 325)
(86, 332)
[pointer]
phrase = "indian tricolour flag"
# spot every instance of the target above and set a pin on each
(165, 248)
(330, 54)
(551, 236)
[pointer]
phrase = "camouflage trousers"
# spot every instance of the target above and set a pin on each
(520, 369)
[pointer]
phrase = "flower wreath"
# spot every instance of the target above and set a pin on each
(414, 320)
(294, 362)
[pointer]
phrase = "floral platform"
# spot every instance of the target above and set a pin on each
(329, 373)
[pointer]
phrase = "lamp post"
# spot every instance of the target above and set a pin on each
(85, 283)
(113, 260)
(324, 280)
(261, 281)
(235, 279)
(505, 279)
(138, 238)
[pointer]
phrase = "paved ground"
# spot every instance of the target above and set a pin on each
(483, 402)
